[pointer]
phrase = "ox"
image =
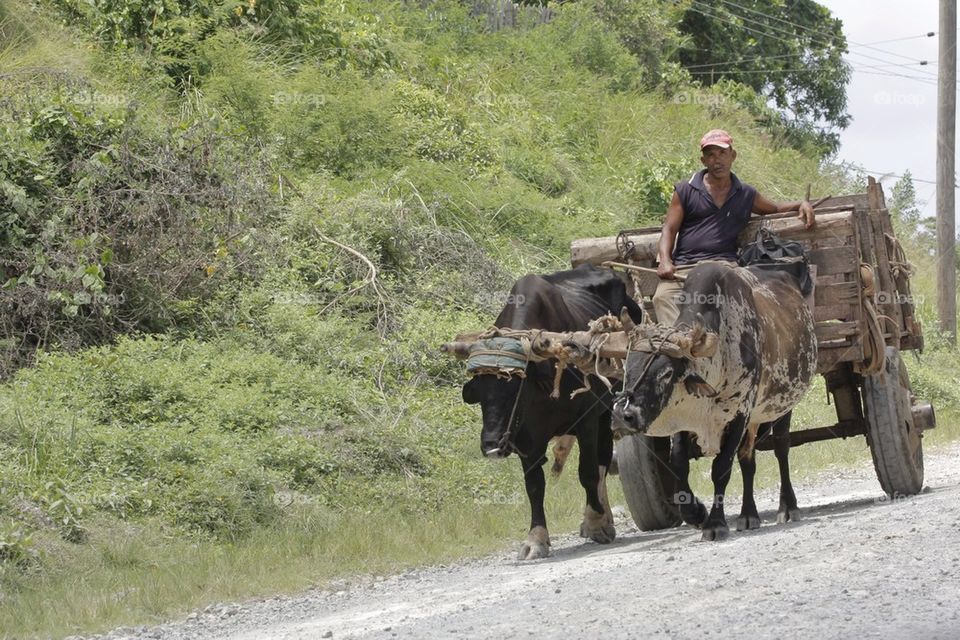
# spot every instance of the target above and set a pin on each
(765, 359)
(519, 413)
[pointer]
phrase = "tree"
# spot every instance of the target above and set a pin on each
(903, 205)
(788, 51)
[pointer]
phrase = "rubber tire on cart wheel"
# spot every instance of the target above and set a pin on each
(895, 444)
(648, 483)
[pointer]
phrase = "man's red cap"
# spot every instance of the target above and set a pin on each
(716, 138)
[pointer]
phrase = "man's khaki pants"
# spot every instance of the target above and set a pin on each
(668, 297)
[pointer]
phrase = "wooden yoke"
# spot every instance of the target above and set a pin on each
(602, 349)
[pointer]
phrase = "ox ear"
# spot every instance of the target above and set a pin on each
(459, 350)
(471, 391)
(697, 386)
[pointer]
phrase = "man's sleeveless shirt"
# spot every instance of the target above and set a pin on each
(709, 232)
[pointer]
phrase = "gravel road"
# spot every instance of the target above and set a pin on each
(857, 565)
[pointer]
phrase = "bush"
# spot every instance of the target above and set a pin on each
(114, 226)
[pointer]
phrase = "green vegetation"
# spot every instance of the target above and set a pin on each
(234, 234)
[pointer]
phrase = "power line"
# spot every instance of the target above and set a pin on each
(890, 74)
(890, 174)
(856, 53)
(813, 31)
(926, 76)
(711, 13)
(790, 55)
(717, 64)
(925, 81)
(928, 34)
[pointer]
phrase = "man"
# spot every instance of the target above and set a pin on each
(708, 212)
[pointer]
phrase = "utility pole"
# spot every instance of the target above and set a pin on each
(946, 176)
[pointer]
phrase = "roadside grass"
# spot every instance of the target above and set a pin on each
(143, 570)
(132, 574)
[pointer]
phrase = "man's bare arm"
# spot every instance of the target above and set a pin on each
(668, 238)
(763, 207)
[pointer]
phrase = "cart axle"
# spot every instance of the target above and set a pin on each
(843, 429)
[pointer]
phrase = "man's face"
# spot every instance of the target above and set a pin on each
(718, 160)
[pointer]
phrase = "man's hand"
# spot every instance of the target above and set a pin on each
(806, 214)
(666, 270)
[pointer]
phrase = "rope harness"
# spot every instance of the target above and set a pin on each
(654, 350)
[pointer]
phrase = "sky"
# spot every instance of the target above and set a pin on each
(894, 125)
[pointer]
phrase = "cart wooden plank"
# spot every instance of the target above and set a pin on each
(829, 331)
(837, 294)
(829, 357)
(834, 260)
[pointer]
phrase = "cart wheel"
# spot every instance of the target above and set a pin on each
(648, 484)
(895, 442)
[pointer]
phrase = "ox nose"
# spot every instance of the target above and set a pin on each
(621, 409)
(492, 451)
(625, 424)
(624, 419)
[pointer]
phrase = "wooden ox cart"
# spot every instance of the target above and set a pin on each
(865, 318)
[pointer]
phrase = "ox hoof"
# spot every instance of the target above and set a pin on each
(715, 532)
(747, 522)
(604, 534)
(786, 515)
(598, 527)
(694, 514)
(537, 545)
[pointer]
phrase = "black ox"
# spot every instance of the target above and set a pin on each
(519, 414)
(765, 361)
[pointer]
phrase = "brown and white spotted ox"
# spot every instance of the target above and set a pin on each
(519, 414)
(765, 361)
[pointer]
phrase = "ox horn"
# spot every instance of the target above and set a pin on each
(703, 343)
(459, 350)
(626, 321)
(705, 347)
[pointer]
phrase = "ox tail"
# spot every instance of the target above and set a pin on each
(561, 450)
